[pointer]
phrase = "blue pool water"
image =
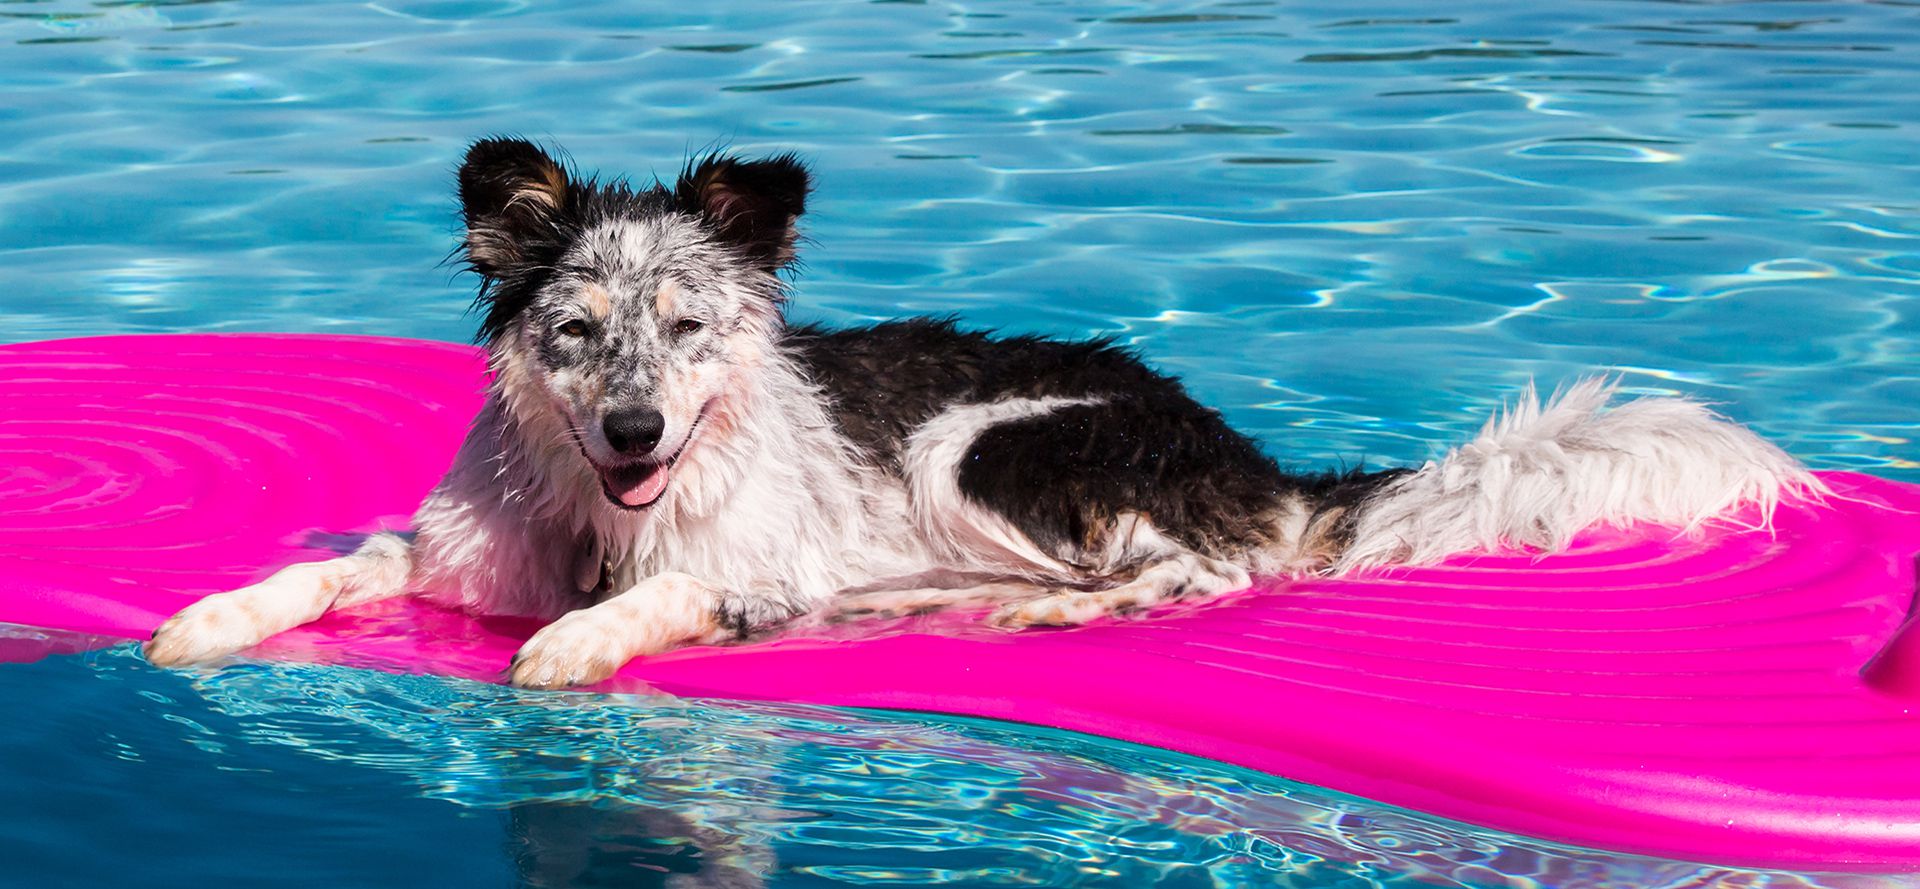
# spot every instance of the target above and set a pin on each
(1354, 226)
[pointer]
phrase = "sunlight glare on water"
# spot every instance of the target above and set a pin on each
(279, 768)
(1355, 227)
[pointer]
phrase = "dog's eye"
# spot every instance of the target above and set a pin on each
(686, 325)
(576, 327)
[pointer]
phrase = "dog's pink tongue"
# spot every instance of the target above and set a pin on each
(644, 491)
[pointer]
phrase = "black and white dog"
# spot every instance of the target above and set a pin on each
(662, 461)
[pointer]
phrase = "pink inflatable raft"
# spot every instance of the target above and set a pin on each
(1740, 698)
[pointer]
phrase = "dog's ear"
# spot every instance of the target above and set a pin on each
(514, 198)
(751, 205)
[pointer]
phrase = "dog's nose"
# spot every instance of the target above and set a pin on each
(635, 431)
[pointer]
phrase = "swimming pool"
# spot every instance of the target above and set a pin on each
(1354, 227)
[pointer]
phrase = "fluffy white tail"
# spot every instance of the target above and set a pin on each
(1537, 474)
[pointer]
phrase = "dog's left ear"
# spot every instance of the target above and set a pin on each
(751, 205)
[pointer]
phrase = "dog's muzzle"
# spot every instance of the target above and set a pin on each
(634, 432)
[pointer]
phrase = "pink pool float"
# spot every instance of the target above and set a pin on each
(1738, 697)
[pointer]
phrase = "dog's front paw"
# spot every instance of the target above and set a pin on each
(581, 648)
(213, 627)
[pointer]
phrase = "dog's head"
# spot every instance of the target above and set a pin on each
(625, 311)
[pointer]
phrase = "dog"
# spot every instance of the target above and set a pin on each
(661, 460)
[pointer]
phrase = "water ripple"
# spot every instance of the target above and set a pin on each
(579, 787)
(1355, 228)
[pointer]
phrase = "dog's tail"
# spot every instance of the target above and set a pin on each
(1539, 473)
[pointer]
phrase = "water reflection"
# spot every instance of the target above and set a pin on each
(624, 790)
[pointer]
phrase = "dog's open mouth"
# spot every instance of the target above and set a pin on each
(639, 485)
(636, 485)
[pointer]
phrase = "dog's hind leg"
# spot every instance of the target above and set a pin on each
(1149, 495)
(921, 600)
(1182, 575)
(224, 623)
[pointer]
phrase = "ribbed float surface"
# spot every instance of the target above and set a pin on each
(1701, 698)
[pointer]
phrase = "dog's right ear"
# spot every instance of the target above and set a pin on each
(514, 198)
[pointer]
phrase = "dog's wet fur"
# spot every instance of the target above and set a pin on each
(662, 460)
